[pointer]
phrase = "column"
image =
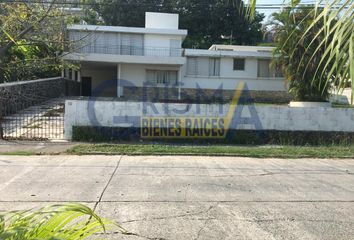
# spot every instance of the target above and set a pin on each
(179, 83)
(119, 89)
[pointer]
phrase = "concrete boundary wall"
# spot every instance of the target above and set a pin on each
(272, 117)
(16, 96)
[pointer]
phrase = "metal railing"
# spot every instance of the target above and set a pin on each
(39, 122)
(129, 50)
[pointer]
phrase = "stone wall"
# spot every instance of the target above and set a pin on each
(19, 95)
(155, 94)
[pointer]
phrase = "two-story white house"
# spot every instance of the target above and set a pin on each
(149, 64)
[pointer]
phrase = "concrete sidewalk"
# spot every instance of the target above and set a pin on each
(192, 197)
(35, 147)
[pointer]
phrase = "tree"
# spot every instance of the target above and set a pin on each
(30, 37)
(130, 13)
(337, 26)
(289, 26)
(207, 21)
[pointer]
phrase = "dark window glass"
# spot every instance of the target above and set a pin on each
(239, 64)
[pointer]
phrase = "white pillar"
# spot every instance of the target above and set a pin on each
(179, 83)
(119, 70)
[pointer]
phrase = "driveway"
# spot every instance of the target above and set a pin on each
(192, 197)
(42, 121)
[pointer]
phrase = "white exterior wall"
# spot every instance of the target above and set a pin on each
(271, 117)
(231, 83)
(230, 78)
(161, 20)
(227, 68)
(136, 73)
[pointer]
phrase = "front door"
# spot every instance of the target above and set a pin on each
(86, 86)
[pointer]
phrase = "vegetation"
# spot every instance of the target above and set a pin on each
(69, 222)
(215, 150)
(331, 23)
(207, 21)
(32, 39)
(18, 153)
(248, 137)
(289, 26)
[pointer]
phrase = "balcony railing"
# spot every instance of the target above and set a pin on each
(129, 50)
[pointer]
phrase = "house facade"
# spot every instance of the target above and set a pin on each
(150, 64)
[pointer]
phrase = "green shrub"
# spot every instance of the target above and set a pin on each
(247, 137)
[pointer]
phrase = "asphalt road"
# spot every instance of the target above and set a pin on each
(192, 197)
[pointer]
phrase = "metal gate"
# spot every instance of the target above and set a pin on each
(44, 121)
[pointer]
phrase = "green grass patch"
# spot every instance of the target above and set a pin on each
(18, 153)
(215, 150)
(342, 105)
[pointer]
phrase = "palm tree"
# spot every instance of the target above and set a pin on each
(336, 33)
(71, 221)
(289, 26)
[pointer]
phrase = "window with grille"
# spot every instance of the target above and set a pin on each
(166, 77)
(214, 67)
(266, 69)
(192, 66)
(239, 64)
(203, 66)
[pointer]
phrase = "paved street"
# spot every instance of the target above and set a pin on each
(192, 197)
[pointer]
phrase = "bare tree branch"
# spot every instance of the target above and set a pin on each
(25, 31)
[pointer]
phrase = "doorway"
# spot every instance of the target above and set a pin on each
(86, 86)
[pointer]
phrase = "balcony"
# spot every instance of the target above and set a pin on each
(126, 54)
(128, 50)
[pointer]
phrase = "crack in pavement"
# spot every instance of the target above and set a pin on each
(239, 175)
(146, 237)
(132, 234)
(109, 181)
(206, 221)
(170, 217)
(167, 217)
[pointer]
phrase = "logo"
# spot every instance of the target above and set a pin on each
(168, 120)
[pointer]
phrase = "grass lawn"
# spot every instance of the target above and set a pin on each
(18, 153)
(216, 150)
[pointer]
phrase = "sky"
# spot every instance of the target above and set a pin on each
(268, 12)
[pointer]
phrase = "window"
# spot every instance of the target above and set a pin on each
(192, 66)
(203, 66)
(132, 44)
(214, 67)
(175, 48)
(162, 77)
(239, 64)
(263, 68)
(278, 71)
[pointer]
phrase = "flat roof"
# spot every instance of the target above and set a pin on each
(223, 53)
(180, 32)
(240, 48)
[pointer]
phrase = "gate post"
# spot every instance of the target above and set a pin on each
(1, 119)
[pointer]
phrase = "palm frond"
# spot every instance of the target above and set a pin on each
(70, 222)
